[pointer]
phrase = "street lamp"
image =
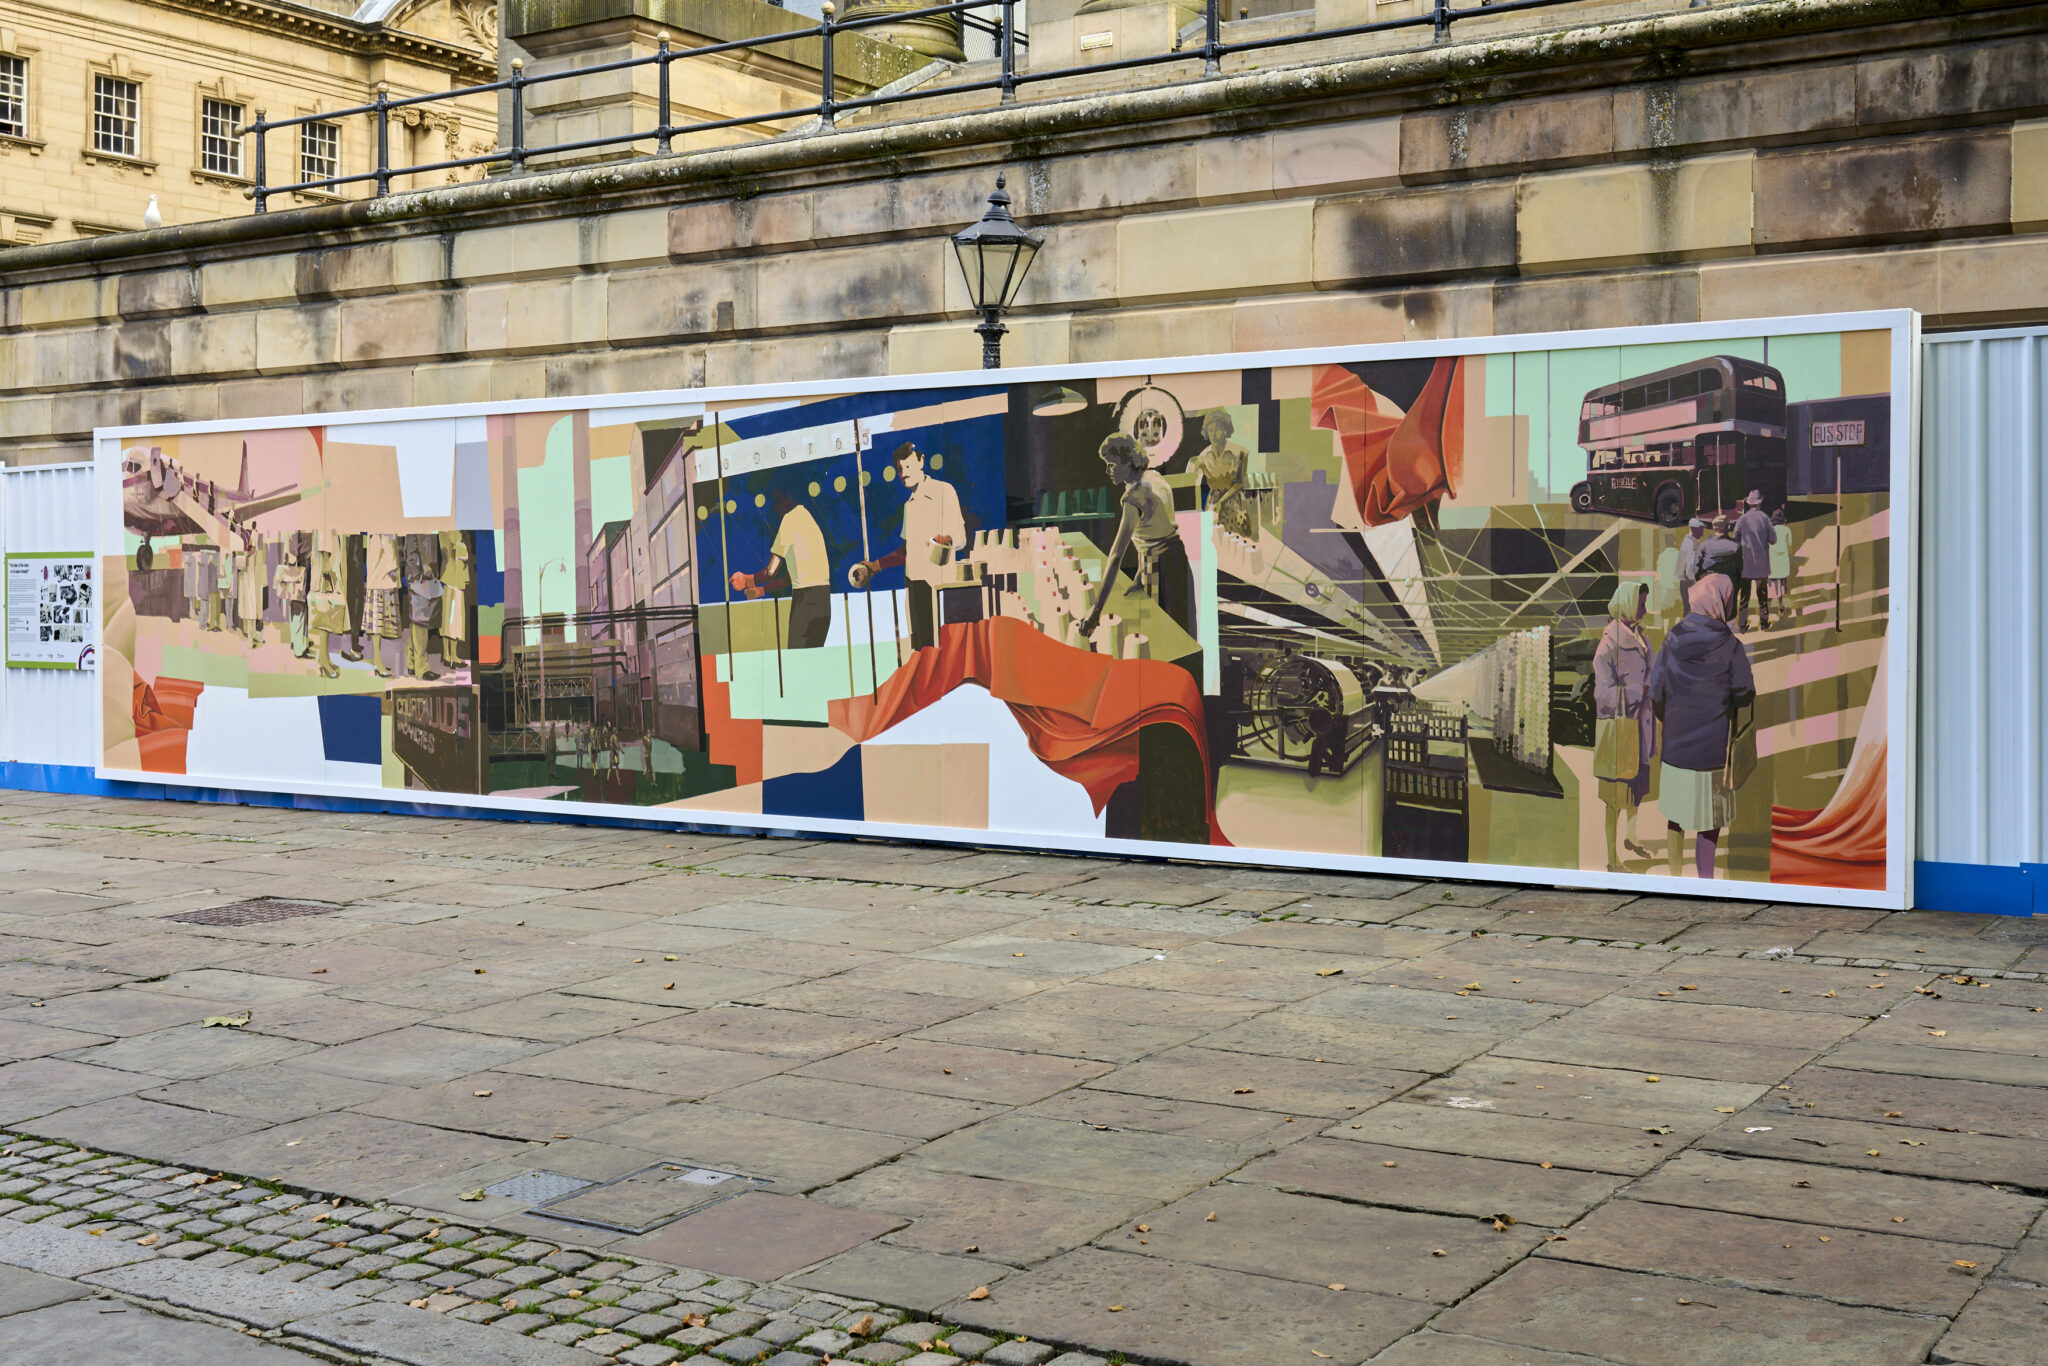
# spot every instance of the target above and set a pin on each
(994, 254)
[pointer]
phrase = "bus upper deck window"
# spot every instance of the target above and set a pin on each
(1765, 382)
(1685, 386)
(1632, 399)
(1656, 392)
(1708, 380)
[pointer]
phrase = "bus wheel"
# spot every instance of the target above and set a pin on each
(1582, 497)
(1670, 506)
(144, 557)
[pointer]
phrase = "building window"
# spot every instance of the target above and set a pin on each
(13, 97)
(319, 151)
(116, 116)
(220, 145)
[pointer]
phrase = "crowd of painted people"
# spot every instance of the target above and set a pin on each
(1671, 720)
(393, 599)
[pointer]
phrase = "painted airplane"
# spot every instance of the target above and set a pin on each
(159, 499)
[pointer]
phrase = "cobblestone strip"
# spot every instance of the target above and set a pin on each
(639, 1313)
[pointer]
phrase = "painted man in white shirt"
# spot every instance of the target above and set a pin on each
(933, 533)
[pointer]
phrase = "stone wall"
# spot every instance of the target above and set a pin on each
(1750, 159)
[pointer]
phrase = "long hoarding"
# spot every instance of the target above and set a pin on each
(1566, 608)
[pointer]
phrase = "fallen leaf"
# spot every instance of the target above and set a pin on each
(947, 1070)
(478, 971)
(1724, 1109)
(1439, 1253)
(1324, 1355)
(1544, 1165)
(1967, 1266)
(1898, 1218)
(1114, 1308)
(668, 958)
(1555, 1237)
(1210, 1218)
(980, 1292)
(1873, 1153)
(1383, 1164)
(1938, 1033)
(225, 1021)
(668, 986)
(1329, 972)
(1335, 1285)
(481, 1093)
(1242, 1091)
(1656, 1128)
(863, 1326)
(317, 971)
(693, 1320)
(1913, 1142)
(1827, 993)
(150, 1241)
(1144, 1228)
(96, 1232)
(974, 1247)
(1667, 993)
(1016, 955)
(476, 1194)
(1825, 1239)
(639, 960)
(1473, 986)
(1653, 1078)
(1689, 988)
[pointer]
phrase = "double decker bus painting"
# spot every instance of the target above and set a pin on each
(1689, 440)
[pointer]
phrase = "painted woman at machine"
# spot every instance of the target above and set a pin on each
(1147, 522)
(1700, 681)
(1625, 728)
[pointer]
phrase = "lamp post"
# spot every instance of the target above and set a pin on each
(995, 252)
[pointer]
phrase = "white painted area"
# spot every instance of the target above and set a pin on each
(426, 459)
(355, 775)
(238, 736)
(1025, 797)
(649, 412)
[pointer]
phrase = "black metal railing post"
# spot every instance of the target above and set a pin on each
(518, 114)
(828, 86)
(663, 137)
(1008, 38)
(261, 190)
(383, 138)
(1212, 38)
(1443, 20)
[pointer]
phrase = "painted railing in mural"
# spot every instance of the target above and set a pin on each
(513, 155)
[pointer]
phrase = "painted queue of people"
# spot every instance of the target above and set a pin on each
(395, 599)
(1682, 707)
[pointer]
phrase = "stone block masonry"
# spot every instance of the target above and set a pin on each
(1699, 164)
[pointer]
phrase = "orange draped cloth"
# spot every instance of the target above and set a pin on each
(1843, 843)
(1397, 462)
(163, 721)
(1080, 711)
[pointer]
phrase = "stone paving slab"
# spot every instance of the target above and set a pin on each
(1847, 1266)
(264, 1301)
(94, 1332)
(1404, 1178)
(419, 1338)
(1663, 1321)
(1205, 1316)
(1816, 1194)
(54, 1251)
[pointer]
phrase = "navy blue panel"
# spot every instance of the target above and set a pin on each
(352, 729)
(1977, 888)
(852, 406)
(834, 794)
(490, 580)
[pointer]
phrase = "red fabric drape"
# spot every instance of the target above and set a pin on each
(163, 721)
(1397, 463)
(1842, 844)
(1080, 711)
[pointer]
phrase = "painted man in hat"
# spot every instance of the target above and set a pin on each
(1753, 532)
(1689, 560)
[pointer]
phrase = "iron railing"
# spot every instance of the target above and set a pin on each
(1002, 30)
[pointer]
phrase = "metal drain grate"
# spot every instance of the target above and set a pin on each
(534, 1187)
(260, 911)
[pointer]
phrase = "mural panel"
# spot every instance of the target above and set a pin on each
(1602, 609)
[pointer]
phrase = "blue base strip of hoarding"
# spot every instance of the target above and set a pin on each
(1982, 889)
(78, 780)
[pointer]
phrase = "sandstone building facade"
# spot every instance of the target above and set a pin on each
(104, 103)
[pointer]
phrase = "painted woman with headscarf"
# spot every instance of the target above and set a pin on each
(1624, 728)
(1700, 680)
